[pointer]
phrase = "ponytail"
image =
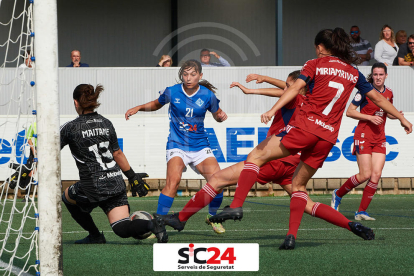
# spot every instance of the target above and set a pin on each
(339, 44)
(208, 85)
(87, 96)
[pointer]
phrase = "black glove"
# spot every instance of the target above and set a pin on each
(12, 180)
(138, 185)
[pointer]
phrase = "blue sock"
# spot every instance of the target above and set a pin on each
(215, 204)
(164, 204)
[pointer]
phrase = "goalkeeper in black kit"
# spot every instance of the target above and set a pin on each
(94, 146)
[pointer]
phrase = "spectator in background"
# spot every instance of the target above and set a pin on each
(205, 59)
(165, 61)
(361, 46)
(401, 37)
(406, 52)
(75, 55)
(386, 49)
(28, 63)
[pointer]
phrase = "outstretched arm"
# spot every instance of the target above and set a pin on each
(288, 96)
(260, 78)
(220, 115)
(355, 114)
(382, 102)
(151, 106)
(393, 117)
(271, 92)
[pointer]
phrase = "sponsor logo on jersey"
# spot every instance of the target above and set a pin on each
(362, 135)
(358, 97)
(188, 127)
(337, 72)
(325, 126)
(94, 121)
(177, 100)
(199, 102)
(379, 113)
(311, 118)
(335, 60)
(95, 132)
(113, 174)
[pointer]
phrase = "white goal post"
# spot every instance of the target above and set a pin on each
(49, 200)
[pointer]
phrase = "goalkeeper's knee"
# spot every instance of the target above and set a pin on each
(125, 228)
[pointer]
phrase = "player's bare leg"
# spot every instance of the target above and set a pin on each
(174, 172)
(175, 168)
(377, 164)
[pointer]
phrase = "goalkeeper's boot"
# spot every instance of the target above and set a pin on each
(362, 231)
(172, 220)
(363, 216)
(289, 243)
(92, 239)
(335, 201)
(228, 213)
(217, 227)
(158, 228)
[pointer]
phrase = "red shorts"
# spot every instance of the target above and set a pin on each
(277, 172)
(363, 146)
(314, 149)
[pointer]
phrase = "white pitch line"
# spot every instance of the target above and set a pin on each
(248, 230)
(16, 270)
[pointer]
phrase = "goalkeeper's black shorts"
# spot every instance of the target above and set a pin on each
(76, 193)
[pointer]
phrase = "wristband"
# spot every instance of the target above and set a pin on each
(129, 174)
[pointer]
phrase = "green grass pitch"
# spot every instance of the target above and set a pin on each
(321, 249)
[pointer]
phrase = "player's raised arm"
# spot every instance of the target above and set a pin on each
(288, 96)
(151, 106)
(382, 102)
(260, 79)
(271, 92)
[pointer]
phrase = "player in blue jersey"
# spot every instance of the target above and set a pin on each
(188, 143)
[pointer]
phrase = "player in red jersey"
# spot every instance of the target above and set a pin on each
(369, 142)
(276, 171)
(314, 130)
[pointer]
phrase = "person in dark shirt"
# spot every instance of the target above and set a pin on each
(94, 146)
(75, 55)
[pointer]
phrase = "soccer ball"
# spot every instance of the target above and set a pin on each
(145, 216)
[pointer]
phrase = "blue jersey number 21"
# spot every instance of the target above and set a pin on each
(189, 112)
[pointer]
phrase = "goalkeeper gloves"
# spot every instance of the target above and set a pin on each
(138, 185)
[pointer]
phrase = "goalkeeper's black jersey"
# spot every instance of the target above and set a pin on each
(92, 140)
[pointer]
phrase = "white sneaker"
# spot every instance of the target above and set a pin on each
(363, 216)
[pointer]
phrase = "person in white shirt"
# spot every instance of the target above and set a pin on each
(386, 49)
(205, 59)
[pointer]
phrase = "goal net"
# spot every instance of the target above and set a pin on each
(20, 252)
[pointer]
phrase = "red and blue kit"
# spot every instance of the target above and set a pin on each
(330, 83)
(369, 137)
(281, 171)
(284, 115)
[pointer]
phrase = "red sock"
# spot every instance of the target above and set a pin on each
(246, 181)
(297, 207)
(351, 183)
(367, 196)
(330, 215)
(201, 199)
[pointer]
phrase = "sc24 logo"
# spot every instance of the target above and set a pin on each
(191, 251)
(347, 146)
